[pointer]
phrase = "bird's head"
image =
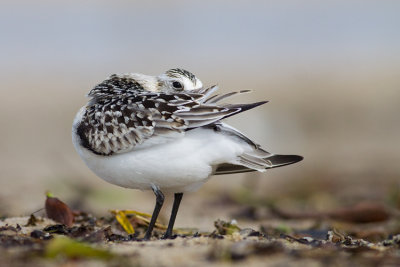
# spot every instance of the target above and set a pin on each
(172, 81)
(176, 80)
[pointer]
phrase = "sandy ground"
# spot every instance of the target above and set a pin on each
(363, 234)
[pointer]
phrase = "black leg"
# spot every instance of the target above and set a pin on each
(175, 207)
(157, 208)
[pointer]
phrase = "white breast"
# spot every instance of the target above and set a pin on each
(181, 165)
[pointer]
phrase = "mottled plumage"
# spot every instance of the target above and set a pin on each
(122, 114)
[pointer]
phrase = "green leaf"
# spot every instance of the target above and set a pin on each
(66, 247)
(226, 228)
(283, 228)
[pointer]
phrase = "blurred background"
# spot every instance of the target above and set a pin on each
(330, 70)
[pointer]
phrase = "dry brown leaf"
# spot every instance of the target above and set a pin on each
(364, 212)
(58, 211)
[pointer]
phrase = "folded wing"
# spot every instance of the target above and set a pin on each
(117, 123)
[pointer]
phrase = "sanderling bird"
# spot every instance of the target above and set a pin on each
(165, 133)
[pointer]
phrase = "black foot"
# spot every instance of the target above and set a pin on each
(165, 236)
(157, 208)
(177, 201)
(142, 239)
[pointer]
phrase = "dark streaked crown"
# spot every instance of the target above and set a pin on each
(177, 73)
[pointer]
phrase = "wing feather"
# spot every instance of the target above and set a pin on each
(274, 162)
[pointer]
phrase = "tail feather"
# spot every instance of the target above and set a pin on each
(275, 160)
(282, 160)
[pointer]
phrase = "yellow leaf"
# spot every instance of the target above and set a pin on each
(124, 222)
(120, 215)
(147, 221)
(134, 212)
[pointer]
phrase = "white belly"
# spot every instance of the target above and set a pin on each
(181, 165)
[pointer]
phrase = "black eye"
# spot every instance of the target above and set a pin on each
(177, 85)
